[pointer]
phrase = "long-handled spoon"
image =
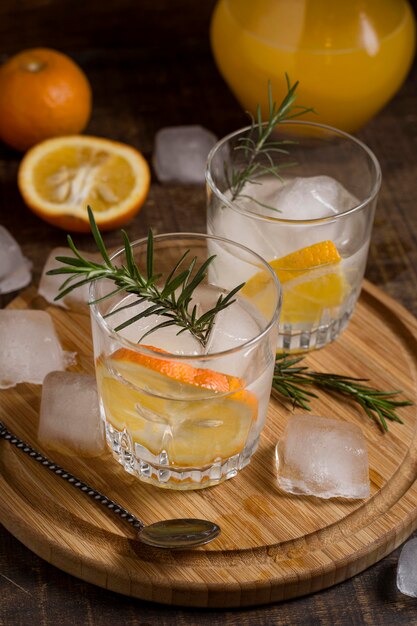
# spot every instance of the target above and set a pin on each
(173, 534)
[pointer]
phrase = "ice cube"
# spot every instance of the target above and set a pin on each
(181, 152)
(29, 348)
(315, 197)
(232, 265)
(407, 569)
(296, 199)
(164, 338)
(323, 457)
(233, 327)
(70, 419)
(49, 285)
(311, 197)
(15, 269)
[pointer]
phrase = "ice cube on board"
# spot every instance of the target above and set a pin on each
(407, 569)
(181, 152)
(70, 419)
(15, 269)
(323, 457)
(30, 348)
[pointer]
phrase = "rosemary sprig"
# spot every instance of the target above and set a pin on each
(257, 147)
(171, 298)
(292, 380)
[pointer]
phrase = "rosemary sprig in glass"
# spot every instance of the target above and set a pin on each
(257, 146)
(170, 297)
(292, 381)
(173, 300)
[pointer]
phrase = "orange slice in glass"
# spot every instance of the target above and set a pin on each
(196, 416)
(311, 280)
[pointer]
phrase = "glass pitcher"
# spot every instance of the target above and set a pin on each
(350, 57)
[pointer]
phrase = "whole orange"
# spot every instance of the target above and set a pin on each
(43, 94)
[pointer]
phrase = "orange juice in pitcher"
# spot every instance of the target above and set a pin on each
(350, 57)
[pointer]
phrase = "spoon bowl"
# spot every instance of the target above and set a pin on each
(172, 534)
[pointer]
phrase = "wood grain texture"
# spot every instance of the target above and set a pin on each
(273, 545)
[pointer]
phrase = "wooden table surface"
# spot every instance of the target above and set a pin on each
(150, 66)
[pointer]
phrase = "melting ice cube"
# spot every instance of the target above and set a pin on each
(407, 569)
(14, 267)
(233, 327)
(233, 266)
(323, 457)
(49, 285)
(181, 153)
(29, 348)
(311, 197)
(69, 419)
(297, 199)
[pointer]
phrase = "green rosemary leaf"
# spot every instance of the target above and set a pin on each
(69, 260)
(290, 381)
(225, 299)
(62, 293)
(197, 279)
(66, 270)
(123, 306)
(73, 248)
(98, 238)
(149, 256)
(259, 116)
(171, 287)
(131, 265)
(108, 295)
(237, 178)
(157, 327)
(152, 310)
(176, 266)
(170, 299)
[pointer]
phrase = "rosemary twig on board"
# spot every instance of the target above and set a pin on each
(294, 381)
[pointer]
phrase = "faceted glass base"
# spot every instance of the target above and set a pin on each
(157, 471)
(293, 338)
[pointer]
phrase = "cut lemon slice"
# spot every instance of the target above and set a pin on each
(306, 301)
(58, 178)
(195, 416)
(311, 280)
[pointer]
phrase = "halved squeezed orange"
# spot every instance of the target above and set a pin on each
(311, 280)
(58, 178)
(196, 416)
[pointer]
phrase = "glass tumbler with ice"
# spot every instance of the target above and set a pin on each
(311, 219)
(180, 413)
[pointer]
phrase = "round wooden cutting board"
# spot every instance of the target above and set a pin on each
(273, 545)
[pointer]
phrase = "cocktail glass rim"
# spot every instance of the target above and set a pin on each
(321, 220)
(188, 357)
